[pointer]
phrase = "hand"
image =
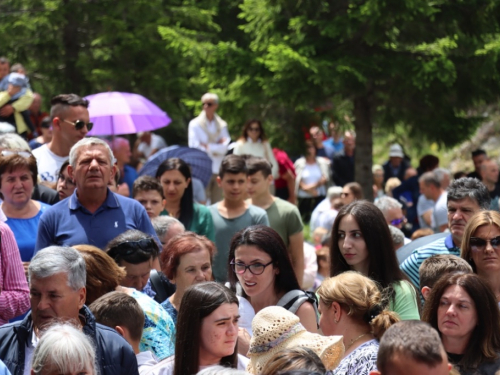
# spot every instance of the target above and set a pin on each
(204, 145)
(221, 141)
(6, 110)
(13, 90)
(243, 341)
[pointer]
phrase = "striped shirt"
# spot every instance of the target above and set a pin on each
(14, 295)
(412, 264)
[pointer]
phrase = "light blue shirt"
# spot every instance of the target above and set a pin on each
(68, 223)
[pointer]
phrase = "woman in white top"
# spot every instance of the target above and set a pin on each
(207, 332)
(253, 142)
(313, 178)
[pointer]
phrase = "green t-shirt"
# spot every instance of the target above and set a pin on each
(202, 222)
(284, 218)
(405, 301)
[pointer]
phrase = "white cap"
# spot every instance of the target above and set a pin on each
(396, 151)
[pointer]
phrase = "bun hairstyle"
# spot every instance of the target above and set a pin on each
(361, 298)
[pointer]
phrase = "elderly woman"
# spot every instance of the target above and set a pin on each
(481, 247)
(64, 349)
(18, 177)
(187, 260)
(464, 310)
(104, 276)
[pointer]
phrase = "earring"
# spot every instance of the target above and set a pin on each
(336, 321)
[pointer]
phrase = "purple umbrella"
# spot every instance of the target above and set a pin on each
(116, 113)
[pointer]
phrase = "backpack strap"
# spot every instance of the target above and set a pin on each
(292, 300)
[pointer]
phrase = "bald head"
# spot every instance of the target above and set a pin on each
(489, 171)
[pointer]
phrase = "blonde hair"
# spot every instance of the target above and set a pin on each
(391, 184)
(361, 298)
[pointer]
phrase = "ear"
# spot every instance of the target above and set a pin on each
(337, 311)
(375, 373)
(71, 172)
(82, 296)
(270, 178)
(219, 181)
(113, 172)
(120, 330)
(450, 366)
(56, 123)
(426, 291)
(188, 181)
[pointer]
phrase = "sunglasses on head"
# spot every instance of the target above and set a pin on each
(79, 124)
(147, 245)
(24, 154)
(479, 244)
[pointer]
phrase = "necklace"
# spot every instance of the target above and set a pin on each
(356, 339)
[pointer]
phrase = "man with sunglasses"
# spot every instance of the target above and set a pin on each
(70, 123)
(393, 213)
(208, 132)
(466, 196)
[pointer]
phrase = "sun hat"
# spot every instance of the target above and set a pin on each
(275, 328)
(396, 151)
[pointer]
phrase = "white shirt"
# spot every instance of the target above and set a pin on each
(145, 360)
(216, 151)
(166, 367)
(28, 353)
(440, 212)
(310, 175)
(48, 163)
(260, 149)
(310, 266)
(247, 313)
(157, 142)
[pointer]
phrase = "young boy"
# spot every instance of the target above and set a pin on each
(122, 312)
(232, 213)
(283, 216)
(433, 268)
(148, 191)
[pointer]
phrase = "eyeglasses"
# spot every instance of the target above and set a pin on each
(479, 244)
(79, 124)
(254, 129)
(396, 222)
(208, 104)
(24, 154)
(147, 245)
(343, 195)
(255, 268)
(67, 180)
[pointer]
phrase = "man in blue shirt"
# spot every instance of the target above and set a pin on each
(93, 214)
(466, 196)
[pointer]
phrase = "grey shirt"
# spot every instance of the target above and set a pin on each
(225, 229)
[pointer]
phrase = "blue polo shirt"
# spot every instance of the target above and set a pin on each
(68, 223)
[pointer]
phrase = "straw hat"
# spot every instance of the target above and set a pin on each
(275, 328)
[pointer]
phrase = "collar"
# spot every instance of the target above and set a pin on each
(448, 242)
(250, 140)
(110, 202)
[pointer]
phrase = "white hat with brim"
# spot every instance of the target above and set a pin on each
(275, 328)
(396, 151)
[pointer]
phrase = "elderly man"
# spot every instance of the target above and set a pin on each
(431, 188)
(489, 177)
(466, 196)
(70, 123)
(167, 227)
(208, 132)
(393, 213)
(396, 166)
(57, 278)
(93, 214)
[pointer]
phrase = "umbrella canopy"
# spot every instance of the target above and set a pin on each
(115, 113)
(199, 161)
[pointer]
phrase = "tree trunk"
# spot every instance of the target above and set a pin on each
(364, 146)
(71, 44)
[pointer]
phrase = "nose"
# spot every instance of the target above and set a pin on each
(200, 275)
(43, 304)
(451, 310)
(233, 329)
(488, 247)
(94, 163)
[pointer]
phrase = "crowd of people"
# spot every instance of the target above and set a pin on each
(105, 270)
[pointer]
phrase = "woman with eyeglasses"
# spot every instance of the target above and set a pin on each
(481, 247)
(312, 181)
(65, 185)
(361, 241)
(135, 251)
(175, 177)
(260, 263)
(186, 260)
(18, 178)
(253, 141)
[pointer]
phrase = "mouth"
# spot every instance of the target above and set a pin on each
(449, 323)
(250, 285)
(349, 255)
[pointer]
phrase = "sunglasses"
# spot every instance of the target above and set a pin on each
(79, 124)
(396, 222)
(255, 268)
(209, 104)
(148, 245)
(479, 244)
(24, 154)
